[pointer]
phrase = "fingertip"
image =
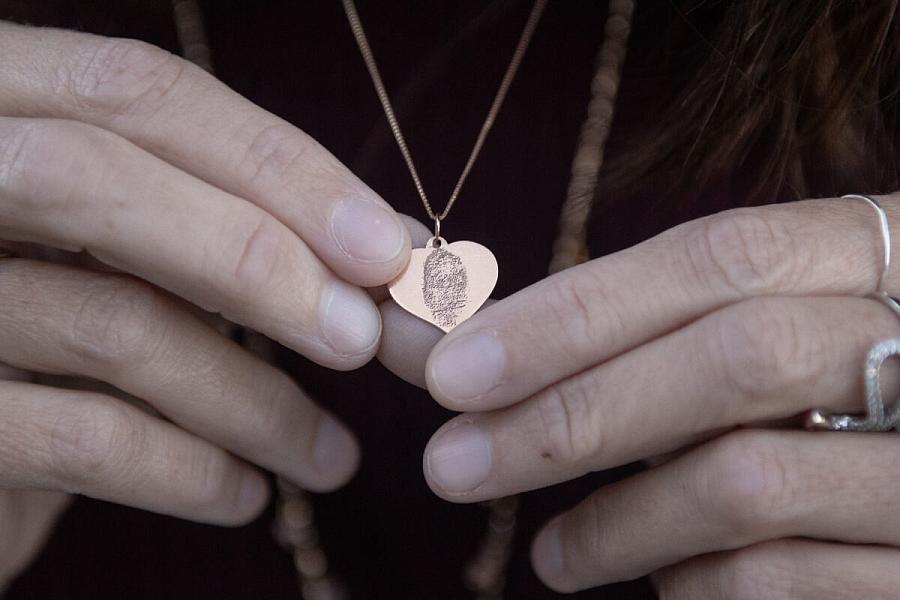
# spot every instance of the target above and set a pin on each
(442, 371)
(458, 461)
(374, 243)
(251, 499)
(350, 326)
(335, 455)
(463, 370)
(547, 558)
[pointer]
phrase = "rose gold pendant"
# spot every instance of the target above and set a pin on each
(445, 284)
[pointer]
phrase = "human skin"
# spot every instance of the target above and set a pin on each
(683, 345)
(164, 202)
(703, 345)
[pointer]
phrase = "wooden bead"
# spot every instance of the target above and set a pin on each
(622, 7)
(617, 28)
(311, 563)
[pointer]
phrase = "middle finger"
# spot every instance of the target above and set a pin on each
(760, 360)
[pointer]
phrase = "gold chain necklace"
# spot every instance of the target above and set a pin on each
(443, 283)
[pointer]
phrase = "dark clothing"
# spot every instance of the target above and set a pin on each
(386, 534)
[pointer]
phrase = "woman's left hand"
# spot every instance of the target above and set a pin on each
(697, 341)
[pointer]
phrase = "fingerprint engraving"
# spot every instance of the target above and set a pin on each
(445, 287)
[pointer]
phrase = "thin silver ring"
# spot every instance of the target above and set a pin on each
(885, 236)
(876, 418)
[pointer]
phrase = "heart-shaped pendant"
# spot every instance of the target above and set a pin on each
(445, 284)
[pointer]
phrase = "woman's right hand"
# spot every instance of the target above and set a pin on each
(197, 199)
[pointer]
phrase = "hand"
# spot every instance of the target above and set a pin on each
(199, 200)
(691, 342)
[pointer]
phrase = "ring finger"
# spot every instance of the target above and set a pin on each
(786, 570)
(745, 488)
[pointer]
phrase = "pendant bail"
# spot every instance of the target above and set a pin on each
(437, 227)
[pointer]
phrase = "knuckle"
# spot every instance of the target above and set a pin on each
(90, 444)
(747, 250)
(115, 77)
(208, 474)
(764, 346)
(568, 432)
(581, 304)
(743, 482)
(37, 158)
(117, 323)
(254, 252)
(274, 153)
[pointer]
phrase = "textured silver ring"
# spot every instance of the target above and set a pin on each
(877, 418)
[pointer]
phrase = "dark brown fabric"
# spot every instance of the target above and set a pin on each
(385, 533)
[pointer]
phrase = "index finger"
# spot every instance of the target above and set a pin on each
(593, 312)
(185, 116)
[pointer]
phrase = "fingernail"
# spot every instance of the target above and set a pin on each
(366, 231)
(459, 460)
(468, 367)
(350, 322)
(335, 453)
(253, 494)
(546, 553)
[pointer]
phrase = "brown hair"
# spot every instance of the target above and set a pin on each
(806, 95)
